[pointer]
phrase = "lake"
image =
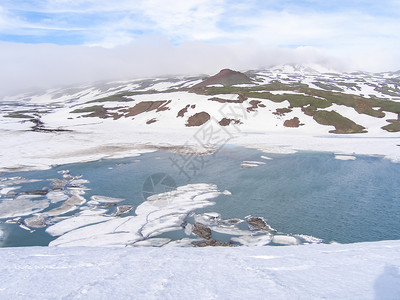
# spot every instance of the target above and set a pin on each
(306, 193)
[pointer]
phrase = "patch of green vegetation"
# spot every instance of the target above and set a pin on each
(342, 124)
(328, 87)
(215, 90)
(112, 98)
(394, 126)
(360, 104)
(18, 115)
(385, 89)
(295, 100)
(314, 98)
(276, 85)
(122, 97)
(90, 109)
(387, 105)
(350, 85)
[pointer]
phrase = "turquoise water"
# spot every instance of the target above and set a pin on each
(307, 193)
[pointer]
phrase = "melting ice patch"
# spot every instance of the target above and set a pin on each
(103, 221)
(22, 205)
(345, 157)
(159, 213)
(251, 164)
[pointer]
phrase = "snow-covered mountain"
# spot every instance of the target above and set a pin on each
(296, 106)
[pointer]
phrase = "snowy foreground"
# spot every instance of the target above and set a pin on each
(354, 271)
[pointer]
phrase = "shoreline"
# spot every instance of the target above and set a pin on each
(40, 151)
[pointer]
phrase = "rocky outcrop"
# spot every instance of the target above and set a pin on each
(146, 106)
(254, 105)
(213, 243)
(225, 77)
(198, 119)
(226, 122)
(295, 122)
(202, 231)
(258, 223)
(282, 111)
(151, 121)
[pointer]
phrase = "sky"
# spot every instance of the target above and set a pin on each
(47, 43)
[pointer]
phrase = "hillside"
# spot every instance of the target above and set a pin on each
(299, 107)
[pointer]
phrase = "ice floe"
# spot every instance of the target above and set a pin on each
(159, 213)
(251, 164)
(68, 206)
(153, 242)
(265, 157)
(250, 240)
(22, 205)
(345, 157)
(56, 196)
(104, 199)
(75, 222)
(285, 240)
(35, 221)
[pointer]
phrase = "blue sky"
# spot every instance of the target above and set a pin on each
(278, 23)
(355, 34)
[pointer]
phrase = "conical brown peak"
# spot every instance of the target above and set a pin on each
(226, 77)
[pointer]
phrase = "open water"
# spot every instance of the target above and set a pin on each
(308, 193)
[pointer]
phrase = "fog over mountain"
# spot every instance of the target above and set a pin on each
(26, 66)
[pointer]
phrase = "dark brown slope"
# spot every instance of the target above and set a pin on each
(226, 77)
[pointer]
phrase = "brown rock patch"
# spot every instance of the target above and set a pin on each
(254, 105)
(258, 223)
(240, 99)
(226, 122)
(226, 77)
(146, 106)
(151, 121)
(213, 243)
(198, 119)
(202, 231)
(182, 112)
(282, 111)
(295, 122)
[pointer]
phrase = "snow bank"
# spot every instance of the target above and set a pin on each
(353, 271)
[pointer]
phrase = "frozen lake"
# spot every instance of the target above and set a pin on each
(312, 194)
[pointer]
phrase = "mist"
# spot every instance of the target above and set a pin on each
(41, 66)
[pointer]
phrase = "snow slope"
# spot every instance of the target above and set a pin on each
(69, 136)
(355, 271)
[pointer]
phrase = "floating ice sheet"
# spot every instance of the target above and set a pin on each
(159, 213)
(22, 205)
(345, 157)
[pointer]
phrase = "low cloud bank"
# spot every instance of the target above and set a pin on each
(28, 66)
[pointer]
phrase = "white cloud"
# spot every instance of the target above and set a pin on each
(185, 20)
(44, 66)
(198, 36)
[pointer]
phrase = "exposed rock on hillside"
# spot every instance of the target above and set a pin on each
(295, 122)
(226, 77)
(198, 119)
(146, 106)
(226, 122)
